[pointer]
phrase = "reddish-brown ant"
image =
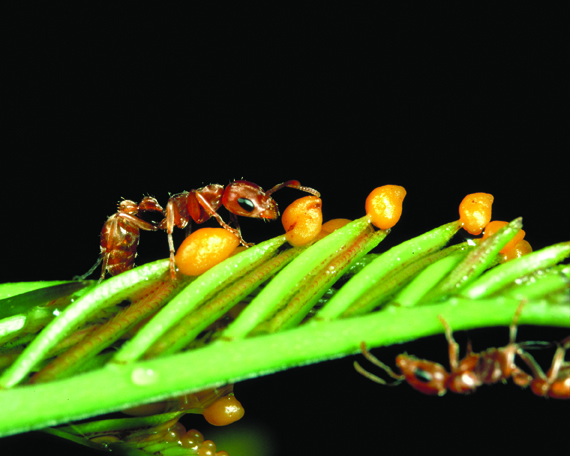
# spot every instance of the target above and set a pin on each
(120, 236)
(476, 369)
(239, 198)
(556, 383)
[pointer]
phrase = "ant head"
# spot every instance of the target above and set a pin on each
(149, 203)
(425, 376)
(128, 207)
(249, 200)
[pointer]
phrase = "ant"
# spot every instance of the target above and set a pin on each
(556, 383)
(121, 232)
(488, 367)
(120, 236)
(239, 198)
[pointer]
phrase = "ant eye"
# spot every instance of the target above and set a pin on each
(246, 204)
(423, 376)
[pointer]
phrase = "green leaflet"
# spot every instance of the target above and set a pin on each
(109, 293)
(505, 273)
(385, 264)
(21, 297)
(475, 263)
(301, 283)
(286, 284)
(204, 287)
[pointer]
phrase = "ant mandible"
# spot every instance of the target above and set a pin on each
(120, 236)
(556, 383)
(428, 377)
(239, 198)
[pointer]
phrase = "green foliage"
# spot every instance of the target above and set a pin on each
(295, 316)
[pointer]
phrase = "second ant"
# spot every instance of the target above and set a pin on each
(476, 369)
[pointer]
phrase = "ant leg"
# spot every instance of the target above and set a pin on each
(523, 379)
(171, 213)
(370, 357)
(556, 384)
(453, 347)
(212, 213)
(105, 258)
(188, 230)
(88, 273)
(509, 366)
(469, 348)
(176, 215)
(235, 221)
(558, 361)
(514, 323)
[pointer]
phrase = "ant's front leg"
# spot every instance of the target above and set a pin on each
(212, 213)
(370, 357)
(235, 221)
(557, 381)
(556, 384)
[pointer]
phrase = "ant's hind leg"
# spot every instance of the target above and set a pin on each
(91, 271)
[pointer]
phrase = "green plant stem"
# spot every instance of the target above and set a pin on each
(119, 386)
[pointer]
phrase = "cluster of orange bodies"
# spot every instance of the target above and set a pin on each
(219, 407)
(192, 440)
(475, 214)
(303, 223)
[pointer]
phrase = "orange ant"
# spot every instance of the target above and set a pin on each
(239, 198)
(121, 232)
(488, 367)
(556, 383)
(120, 236)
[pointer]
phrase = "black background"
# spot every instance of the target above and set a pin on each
(120, 101)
